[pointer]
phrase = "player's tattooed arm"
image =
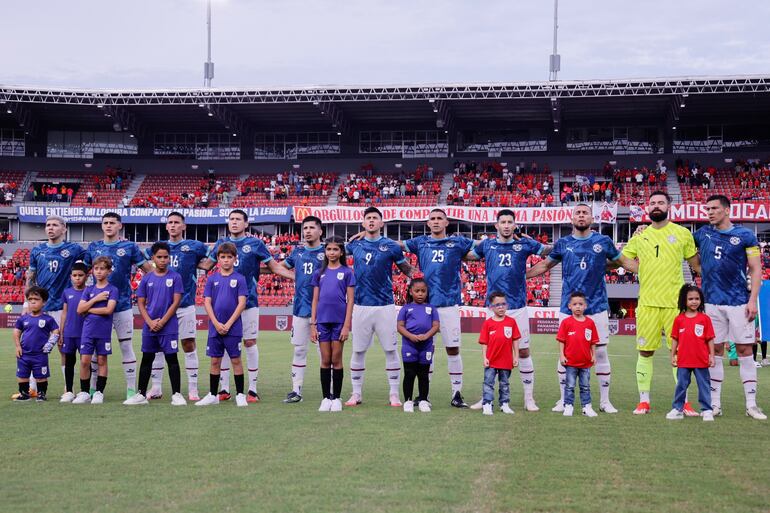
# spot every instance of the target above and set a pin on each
(280, 270)
(694, 262)
(629, 264)
(406, 268)
(547, 248)
(541, 267)
(31, 278)
(147, 267)
(206, 264)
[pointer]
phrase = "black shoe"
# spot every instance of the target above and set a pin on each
(458, 401)
(22, 397)
(292, 397)
(41, 397)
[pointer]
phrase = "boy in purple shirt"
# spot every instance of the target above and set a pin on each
(331, 312)
(225, 299)
(97, 304)
(35, 335)
(158, 298)
(417, 322)
(71, 326)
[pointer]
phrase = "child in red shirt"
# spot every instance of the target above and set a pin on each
(577, 344)
(499, 341)
(692, 351)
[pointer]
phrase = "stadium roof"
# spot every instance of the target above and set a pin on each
(571, 103)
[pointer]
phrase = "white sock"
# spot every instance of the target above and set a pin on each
(393, 370)
(527, 376)
(129, 363)
(561, 375)
(63, 367)
(252, 363)
(224, 373)
(717, 375)
(430, 371)
(32, 383)
(94, 372)
(748, 373)
(298, 366)
(191, 366)
(603, 373)
(158, 366)
(644, 397)
(357, 369)
(455, 366)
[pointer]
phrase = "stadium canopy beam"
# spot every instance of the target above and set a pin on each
(335, 115)
(24, 117)
(229, 119)
(560, 89)
(127, 120)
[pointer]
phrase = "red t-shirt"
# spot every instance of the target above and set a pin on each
(692, 335)
(578, 337)
(498, 336)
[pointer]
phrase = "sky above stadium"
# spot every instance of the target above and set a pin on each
(161, 43)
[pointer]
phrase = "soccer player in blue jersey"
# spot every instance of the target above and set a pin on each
(251, 253)
(124, 255)
(374, 311)
(584, 255)
(50, 265)
(440, 259)
(158, 297)
(186, 258)
(726, 251)
(506, 266)
(305, 260)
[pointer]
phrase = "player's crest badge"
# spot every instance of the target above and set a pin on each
(319, 256)
(169, 282)
(185, 248)
(340, 276)
(281, 322)
(517, 247)
(233, 283)
(428, 310)
(671, 239)
(383, 248)
(508, 331)
(121, 252)
(247, 249)
(735, 241)
(589, 333)
(699, 330)
(450, 244)
(597, 248)
(41, 323)
(65, 253)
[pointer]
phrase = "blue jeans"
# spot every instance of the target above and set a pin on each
(702, 378)
(584, 377)
(503, 375)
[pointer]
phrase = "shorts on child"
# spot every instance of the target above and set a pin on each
(218, 344)
(156, 343)
(329, 331)
(100, 346)
(70, 345)
(419, 353)
(32, 363)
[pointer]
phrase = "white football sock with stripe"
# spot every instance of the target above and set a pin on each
(716, 376)
(298, 366)
(527, 376)
(252, 364)
(455, 367)
(191, 366)
(357, 369)
(748, 373)
(129, 363)
(158, 366)
(603, 373)
(393, 370)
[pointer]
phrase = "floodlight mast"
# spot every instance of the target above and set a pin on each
(208, 66)
(555, 60)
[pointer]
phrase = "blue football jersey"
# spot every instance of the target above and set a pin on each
(305, 261)
(724, 262)
(440, 261)
(52, 265)
(506, 267)
(373, 265)
(583, 266)
(184, 259)
(251, 252)
(124, 254)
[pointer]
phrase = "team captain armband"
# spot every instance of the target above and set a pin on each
(753, 251)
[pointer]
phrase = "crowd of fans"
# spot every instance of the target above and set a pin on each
(8, 191)
(113, 179)
(50, 192)
(282, 186)
(491, 184)
(366, 188)
(207, 191)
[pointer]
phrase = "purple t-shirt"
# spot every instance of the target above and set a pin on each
(418, 319)
(73, 326)
(224, 292)
(159, 293)
(99, 326)
(35, 330)
(332, 293)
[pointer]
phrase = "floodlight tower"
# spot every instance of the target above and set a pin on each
(208, 66)
(555, 60)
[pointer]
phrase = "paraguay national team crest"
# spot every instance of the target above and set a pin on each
(281, 322)
(735, 241)
(121, 252)
(247, 249)
(508, 331)
(517, 247)
(41, 323)
(233, 283)
(699, 330)
(185, 248)
(169, 282)
(319, 256)
(597, 248)
(589, 333)
(671, 239)
(65, 253)
(383, 248)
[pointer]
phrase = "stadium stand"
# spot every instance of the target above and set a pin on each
(183, 191)
(281, 189)
(418, 189)
(103, 190)
(490, 184)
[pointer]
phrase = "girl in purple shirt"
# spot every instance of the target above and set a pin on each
(332, 309)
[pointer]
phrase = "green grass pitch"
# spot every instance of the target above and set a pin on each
(291, 458)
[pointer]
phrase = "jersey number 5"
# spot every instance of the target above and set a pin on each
(718, 252)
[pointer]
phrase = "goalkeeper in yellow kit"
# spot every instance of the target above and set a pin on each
(660, 250)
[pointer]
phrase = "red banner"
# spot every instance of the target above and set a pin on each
(696, 212)
(340, 214)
